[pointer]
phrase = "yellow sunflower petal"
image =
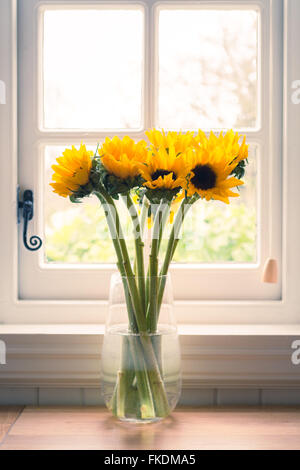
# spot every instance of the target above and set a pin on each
(71, 171)
(123, 157)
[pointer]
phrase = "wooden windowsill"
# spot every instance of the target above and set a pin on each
(47, 428)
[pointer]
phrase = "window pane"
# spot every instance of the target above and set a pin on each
(93, 68)
(213, 232)
(208, 69)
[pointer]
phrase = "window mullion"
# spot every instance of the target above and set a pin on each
(87, 137)
(150, 55)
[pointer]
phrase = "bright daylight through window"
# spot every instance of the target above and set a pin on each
(206, 76)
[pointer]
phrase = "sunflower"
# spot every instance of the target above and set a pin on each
(181, 142)
(121, 158)
(210, 174)
(72, 172)
(229, 143)
(164, 170)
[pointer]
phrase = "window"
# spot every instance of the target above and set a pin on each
(226, 75)
(95, 69)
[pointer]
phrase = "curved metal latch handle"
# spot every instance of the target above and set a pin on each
(25, 208)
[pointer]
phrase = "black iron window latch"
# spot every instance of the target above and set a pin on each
(25, 209)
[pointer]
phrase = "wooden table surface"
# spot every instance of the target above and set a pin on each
(45, 428)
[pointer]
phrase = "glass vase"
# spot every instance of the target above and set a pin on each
(141, 362)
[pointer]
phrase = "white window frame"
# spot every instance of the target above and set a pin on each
(39, 280)
(283, 311)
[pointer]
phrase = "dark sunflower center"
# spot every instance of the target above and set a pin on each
(204, 177)
(162, 173)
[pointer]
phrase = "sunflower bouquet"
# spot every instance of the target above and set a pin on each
(160, 180)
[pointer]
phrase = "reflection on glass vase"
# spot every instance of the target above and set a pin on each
(141, 377)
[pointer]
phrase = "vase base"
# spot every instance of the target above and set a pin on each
(139, 421)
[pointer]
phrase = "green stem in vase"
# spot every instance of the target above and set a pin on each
(144, 217)
(149, 381)
(134, 293)
(157, 386)
(138, 353)
(173, 242)
(159, 224)
(116, 242)
(125, 379)
(139, 247)
(144, 214)
(142, 378)
(166, 213)
(125, 375)
(153, 272)
(156, 342)
(156, 338)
